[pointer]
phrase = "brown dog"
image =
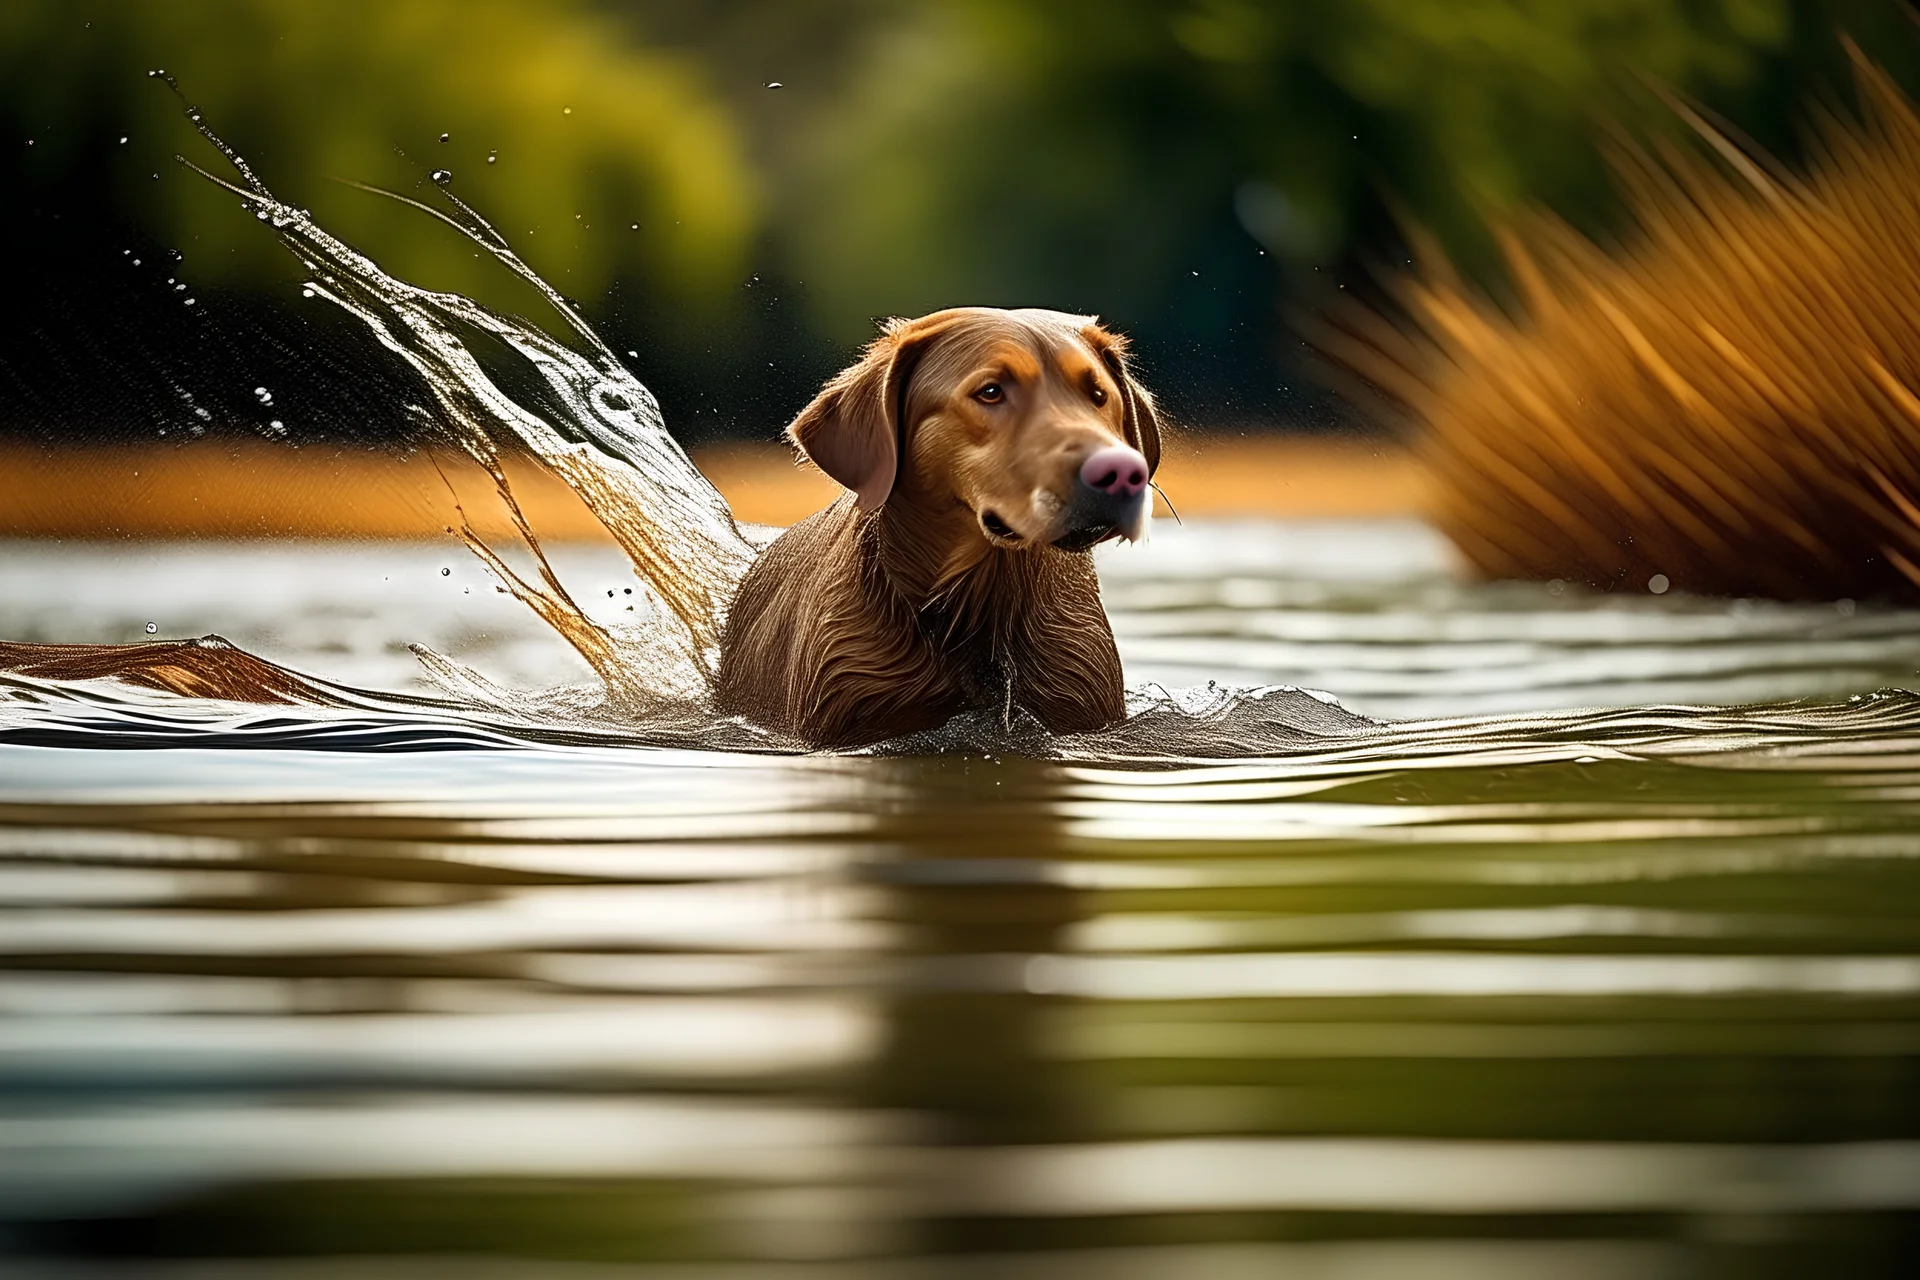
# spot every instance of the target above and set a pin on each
(987, 452)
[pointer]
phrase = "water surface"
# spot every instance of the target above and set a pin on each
(1628, 992)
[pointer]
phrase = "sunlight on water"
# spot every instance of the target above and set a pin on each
(683, 1006)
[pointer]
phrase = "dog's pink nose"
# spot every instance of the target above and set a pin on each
(1116, 470)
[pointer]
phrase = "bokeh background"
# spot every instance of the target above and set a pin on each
(735, 190)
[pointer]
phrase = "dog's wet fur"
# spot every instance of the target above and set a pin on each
(956, 575)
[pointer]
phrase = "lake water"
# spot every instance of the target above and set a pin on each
(1508, 991)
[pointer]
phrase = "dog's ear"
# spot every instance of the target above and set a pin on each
(1141, 419)
(851, 431)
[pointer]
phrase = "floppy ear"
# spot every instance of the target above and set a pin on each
(851, 431)
(1142, 421)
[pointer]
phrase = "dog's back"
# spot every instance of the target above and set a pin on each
(821, 645)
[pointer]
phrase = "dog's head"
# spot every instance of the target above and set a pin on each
(1029, 419)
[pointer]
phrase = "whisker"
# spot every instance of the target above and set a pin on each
(1171, 509)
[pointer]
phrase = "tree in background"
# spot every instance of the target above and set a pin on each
(1182, 167)
(564, 131)
(1187, 168)
(610, 165)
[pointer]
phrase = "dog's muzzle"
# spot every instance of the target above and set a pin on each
(1109, 499)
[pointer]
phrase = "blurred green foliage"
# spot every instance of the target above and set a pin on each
(593, 134)
(1187, 168)
(1094, 146)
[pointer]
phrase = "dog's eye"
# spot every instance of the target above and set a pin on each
(992, 393)
(1099, 394)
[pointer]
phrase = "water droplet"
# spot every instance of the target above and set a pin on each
(123, 142)
(442, 176)
(635, 227)
(493, 157)
(152, 627)
(446, 573)
(566, 111)
(1658, 584)
(775, 84)
(445, 136)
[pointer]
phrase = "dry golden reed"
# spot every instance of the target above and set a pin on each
(1732, 401)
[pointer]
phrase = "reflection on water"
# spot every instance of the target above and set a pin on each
(1616, 994)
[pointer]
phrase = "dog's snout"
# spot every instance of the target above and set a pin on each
(1117, 471)
(1110, 499)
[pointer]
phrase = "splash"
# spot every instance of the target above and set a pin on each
(607, 440)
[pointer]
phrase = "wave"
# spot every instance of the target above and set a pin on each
(208, 693)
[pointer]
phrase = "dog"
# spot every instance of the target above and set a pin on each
(986, 452)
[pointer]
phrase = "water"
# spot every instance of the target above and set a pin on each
(1613, 993)
(1539, 957)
